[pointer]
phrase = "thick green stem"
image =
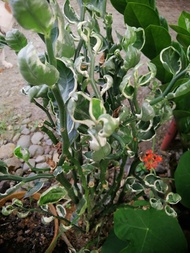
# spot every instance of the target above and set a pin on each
(25, 179)
(91, 74)
(63, 120)
(49, 46)
(50, 134)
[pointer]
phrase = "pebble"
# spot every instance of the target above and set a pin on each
(24, 141)
(38, 144)
(32, 162)
(42, 165)
(19, 172)
(16, 137)
(36, 137)
(40, 159)
(25, 131)
(13, 163)
(6, 151)
(26, 121)
(36, 150)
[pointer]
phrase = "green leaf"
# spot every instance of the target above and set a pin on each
(170, 211)
(40, 91)
(33, 70)
(96, 108)
(182, 90)
(140, 15)
(33, 15)
(16, 40)
(180, 30)
(22, 153)
(78, 108)
(66, 80)
(184, 39)
(132, 57)
(52, 195)
(182, 179)
(148, 229)
(161, 73)
(173, 198)
(61, 210)
(153, 33)
(38, 186)
(70, 13)
(156, 203)
(3, 167)
(64, 44)
(171, 60)
(113, 244)
(184, 20)
(119, 5)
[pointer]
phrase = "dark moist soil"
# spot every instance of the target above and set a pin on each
(27, 235)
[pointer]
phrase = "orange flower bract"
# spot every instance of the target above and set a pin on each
(151, 160)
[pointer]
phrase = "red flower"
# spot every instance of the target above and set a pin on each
(151, 160)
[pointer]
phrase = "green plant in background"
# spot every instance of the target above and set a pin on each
(157, 38)
(89, 85)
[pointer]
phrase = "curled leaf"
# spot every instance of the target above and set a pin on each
(33, 70)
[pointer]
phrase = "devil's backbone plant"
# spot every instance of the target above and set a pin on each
(99, 108)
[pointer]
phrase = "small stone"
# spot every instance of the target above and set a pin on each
(10, 127)
(36, 150)
(46, 150)
(26, 121)
(6, 151)
(36, 137)
(19, 172)
(13, 163)
(24, 141)
(25, 131)
(40, 159)
(32, 162)
(42, 165)
(49, 142)
(16, 137)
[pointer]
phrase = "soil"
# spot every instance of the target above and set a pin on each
(27, 234)
(14, 107)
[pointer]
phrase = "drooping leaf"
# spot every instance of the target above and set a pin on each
(182, 179)
(64, 44)
(33, 70)
(33, 15)
(16, 40)
(70, 13)
(148, 229)
(38, 186)
(52, 195)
